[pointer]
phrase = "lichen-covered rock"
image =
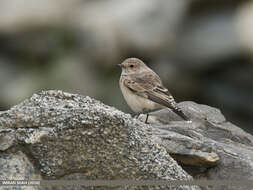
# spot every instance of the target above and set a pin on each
(68, 135)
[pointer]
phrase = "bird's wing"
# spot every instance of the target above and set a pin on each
(149, 85)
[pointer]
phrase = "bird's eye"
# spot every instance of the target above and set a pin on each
(131, 66)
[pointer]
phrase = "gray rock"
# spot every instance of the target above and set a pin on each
(71, 136)
(16, 166)
(6, 139)
(208, 148)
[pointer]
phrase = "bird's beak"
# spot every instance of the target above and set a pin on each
(120, 65)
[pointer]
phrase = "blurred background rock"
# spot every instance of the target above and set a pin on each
(202, 50)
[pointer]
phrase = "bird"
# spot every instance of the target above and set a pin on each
(143, 89)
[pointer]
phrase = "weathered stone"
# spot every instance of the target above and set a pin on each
(72, 135)
(208, 148)
(16, 166)
(68, 136)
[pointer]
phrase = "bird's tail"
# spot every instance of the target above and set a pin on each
(171, 103)
(179, 112)
(166, 99)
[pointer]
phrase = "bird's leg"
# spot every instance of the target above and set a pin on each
(146, 121)
(136, 116)
(146, 111)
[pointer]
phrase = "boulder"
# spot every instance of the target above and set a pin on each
(69, 136)
(58, 135)
(209, 148)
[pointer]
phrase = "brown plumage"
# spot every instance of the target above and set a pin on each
(143, 89)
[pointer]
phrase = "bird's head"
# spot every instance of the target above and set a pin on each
(132, 65)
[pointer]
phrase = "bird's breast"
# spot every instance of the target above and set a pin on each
(137, 103)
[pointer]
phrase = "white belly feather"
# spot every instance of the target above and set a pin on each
(137, 103)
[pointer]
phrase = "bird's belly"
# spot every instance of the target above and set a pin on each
(137, 103)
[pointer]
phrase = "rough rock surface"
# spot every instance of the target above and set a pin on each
(58, 135)
(66, 135)
(208, 148)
